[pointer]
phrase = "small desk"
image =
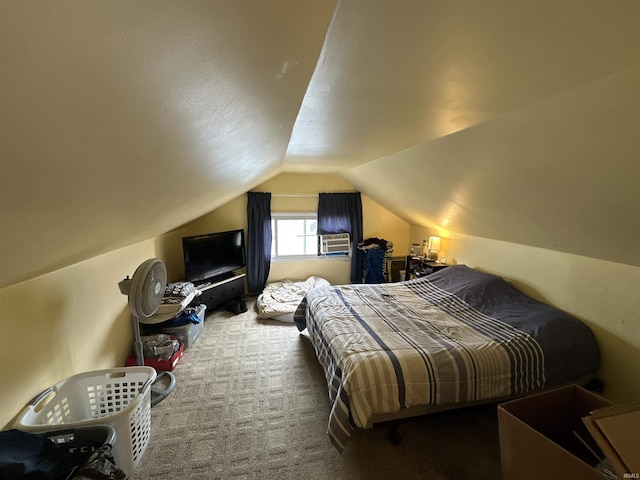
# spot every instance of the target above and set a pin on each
(420, 267)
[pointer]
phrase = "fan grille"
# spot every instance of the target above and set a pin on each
(147, 288)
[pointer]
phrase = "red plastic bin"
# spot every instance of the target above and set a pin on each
(159, 363)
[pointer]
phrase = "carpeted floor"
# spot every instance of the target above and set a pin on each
(251, 403)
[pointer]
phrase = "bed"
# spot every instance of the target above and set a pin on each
(454, 338)
(279, 300)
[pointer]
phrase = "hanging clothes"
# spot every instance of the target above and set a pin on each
(375, 260)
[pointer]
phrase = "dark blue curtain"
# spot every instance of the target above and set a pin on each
(258, 240)
(340, 213)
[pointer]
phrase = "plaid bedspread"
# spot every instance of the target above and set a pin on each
(392, 346)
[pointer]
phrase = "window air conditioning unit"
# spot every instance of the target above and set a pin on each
(335, 244)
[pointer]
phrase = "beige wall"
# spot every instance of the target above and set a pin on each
(69, 321)
(600, 293)
(297, 192)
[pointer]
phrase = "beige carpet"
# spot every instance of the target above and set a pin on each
(251, 403)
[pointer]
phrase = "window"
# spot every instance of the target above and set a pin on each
(294, 235)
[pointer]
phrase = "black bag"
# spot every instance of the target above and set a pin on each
(31, 456)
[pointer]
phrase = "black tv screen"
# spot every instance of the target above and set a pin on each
(213, 255)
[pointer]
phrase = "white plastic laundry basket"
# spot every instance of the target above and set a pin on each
(119, 397)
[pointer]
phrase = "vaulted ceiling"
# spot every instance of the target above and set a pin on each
(121, 120)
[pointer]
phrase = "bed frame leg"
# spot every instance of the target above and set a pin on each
(392, 433)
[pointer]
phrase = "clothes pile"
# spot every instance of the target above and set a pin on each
(159, 346)
(177, 296)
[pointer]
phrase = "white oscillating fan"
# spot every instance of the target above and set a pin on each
(145, 291)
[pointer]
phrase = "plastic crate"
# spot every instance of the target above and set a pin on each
(159, 363)
(186, 334)
(119, 397)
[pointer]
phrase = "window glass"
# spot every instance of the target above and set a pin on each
(294, 234)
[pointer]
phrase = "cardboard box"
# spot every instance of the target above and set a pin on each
(543, 436)
(615, 429)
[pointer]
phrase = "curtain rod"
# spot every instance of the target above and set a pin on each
(294, 194)
(302, 194)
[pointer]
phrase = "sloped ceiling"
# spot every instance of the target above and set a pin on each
(120, 120)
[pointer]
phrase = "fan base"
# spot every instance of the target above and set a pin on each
(163, 385)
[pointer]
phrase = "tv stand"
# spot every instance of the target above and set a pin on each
(218, 291)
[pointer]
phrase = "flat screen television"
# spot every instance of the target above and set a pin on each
(213, 255)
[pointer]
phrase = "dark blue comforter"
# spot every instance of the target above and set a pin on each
(570, 348)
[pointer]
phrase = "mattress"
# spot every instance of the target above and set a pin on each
(455, 336)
